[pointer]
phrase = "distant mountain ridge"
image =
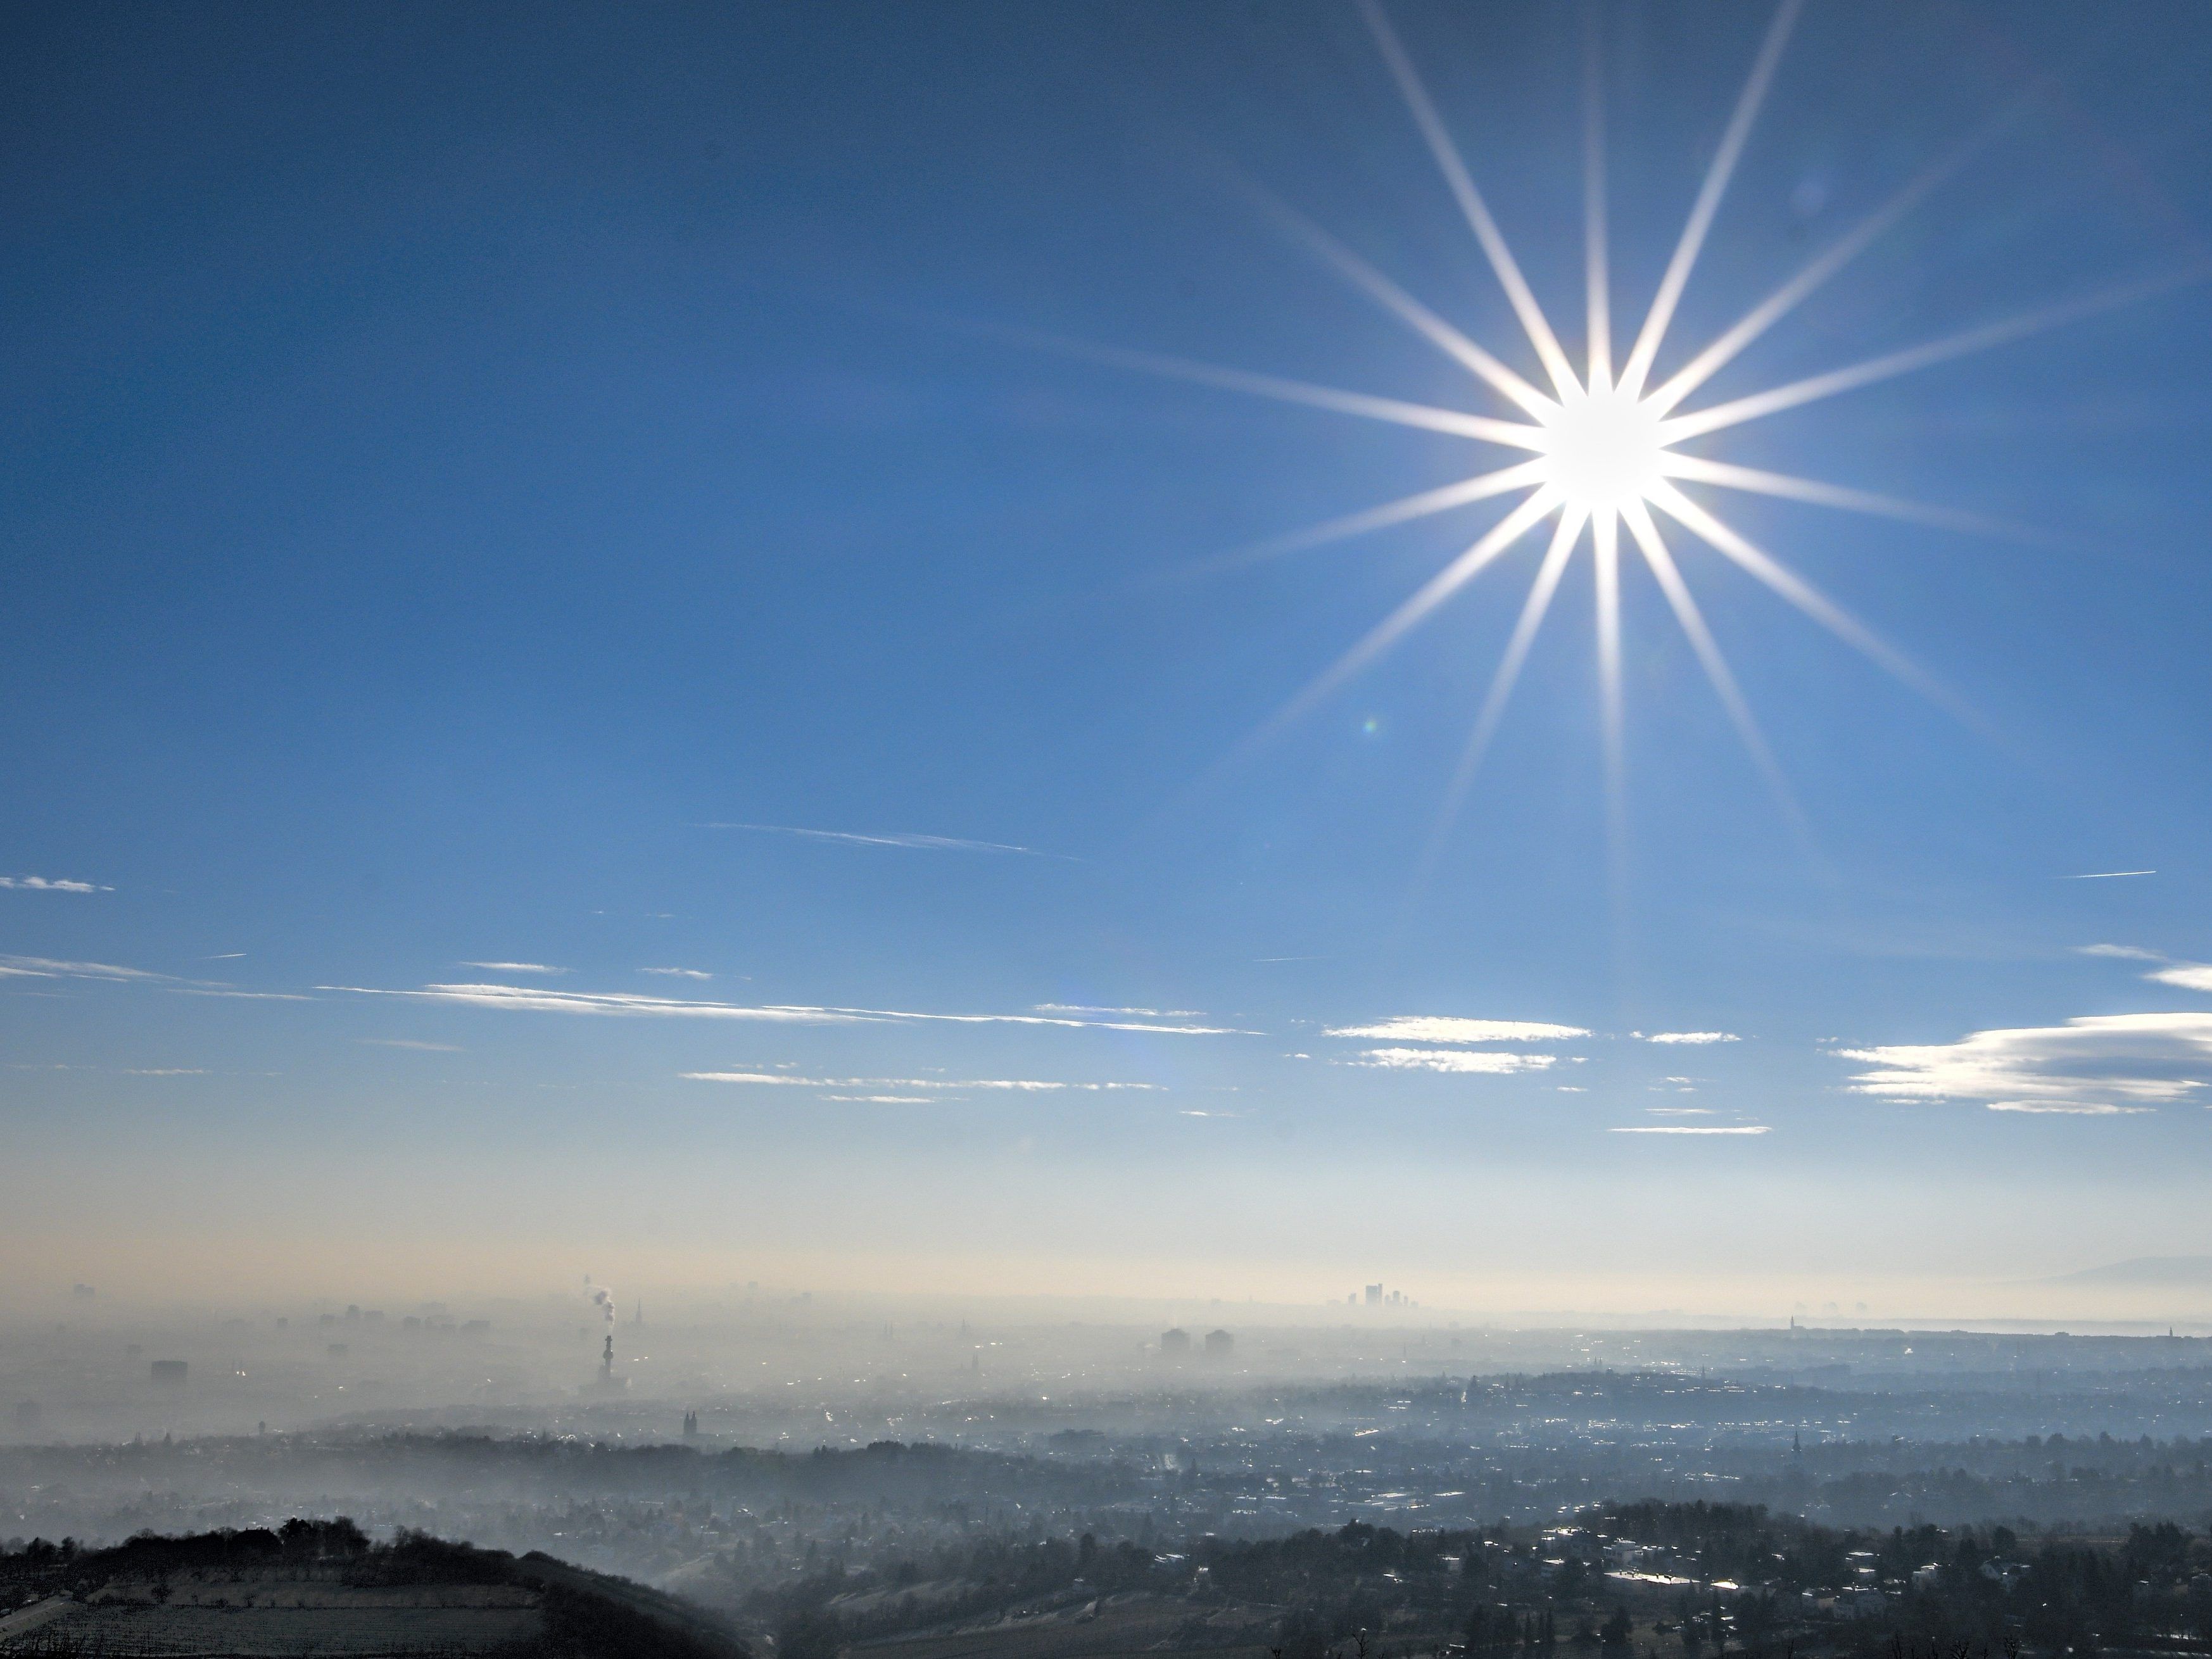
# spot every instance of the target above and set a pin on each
(2191, 1270)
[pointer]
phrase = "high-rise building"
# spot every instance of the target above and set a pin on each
(1374, 1295)
(1175, 1341)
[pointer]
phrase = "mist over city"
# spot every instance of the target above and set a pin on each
(1372, 830)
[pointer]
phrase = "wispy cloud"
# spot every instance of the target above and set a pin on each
(544, 999)
(1686, 1037)
(1430, 1027)
(165, 1071)
(2108, 875)
(1691, 1129)
(1145, 1013)
(45, 884)
(1019, 1084)
(2185, 975)
(2058, 1109)
(415, 1043)
(677, 973)
(1032, 1084)
(2101, 1065)
(889, 838)
(1485, 1062)
(884, 1100)
(1680, 1111)
(515, 967)
(46, 967)
(247, 996)
(2189, 975)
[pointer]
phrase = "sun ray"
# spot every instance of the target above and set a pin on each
(1525, 475)
(1597, 281)
(1432, 593)
(1510, 435)
(1533, 611)
(1785, 299)
(1403, 306)
(1697, 470)
(1517, 291)
(1554, 565)
(1604, 559)
(2001, 332)
(1801, 593)
(1684, 607)
(1656, 321)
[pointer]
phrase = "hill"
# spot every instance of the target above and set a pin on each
(2192, 1271)
(321, 1587)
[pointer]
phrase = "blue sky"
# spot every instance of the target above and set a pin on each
(461, 466)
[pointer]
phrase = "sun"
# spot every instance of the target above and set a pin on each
(1603, 451)
(1606, 452)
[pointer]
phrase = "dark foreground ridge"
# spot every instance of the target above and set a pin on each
(321, 1587)
(1635, 1581)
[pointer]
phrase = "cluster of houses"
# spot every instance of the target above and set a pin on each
(1629, 1566)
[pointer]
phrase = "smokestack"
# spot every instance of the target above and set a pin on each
(603, 1300)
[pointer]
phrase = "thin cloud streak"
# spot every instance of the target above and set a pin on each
(243, 996)
(515, 967)
(1691, 1129)
(43, 885)
(544, 999)
(1687, 1036)
(2050, 1109)
(1428, 1028)
(46, 967)
(1021, 1085)
(891, 838)
(2108, 875)
(1487, 1062)
(1146, 1013)
(2184, 975)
